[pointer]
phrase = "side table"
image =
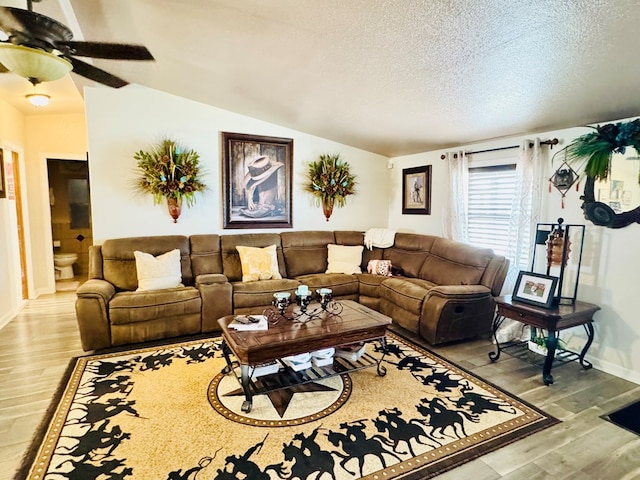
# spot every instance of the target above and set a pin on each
(552, 320)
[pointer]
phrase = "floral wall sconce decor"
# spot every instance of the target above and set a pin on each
(171, 171)
(331, 182)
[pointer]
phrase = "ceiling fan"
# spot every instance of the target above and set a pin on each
(41, 49)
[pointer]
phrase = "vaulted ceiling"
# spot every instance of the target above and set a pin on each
(392, 77)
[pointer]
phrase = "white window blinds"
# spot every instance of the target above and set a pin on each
(491, 191)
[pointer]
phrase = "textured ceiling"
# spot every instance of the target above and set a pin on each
(392, 77)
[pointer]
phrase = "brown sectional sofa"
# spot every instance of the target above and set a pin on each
(444, 294)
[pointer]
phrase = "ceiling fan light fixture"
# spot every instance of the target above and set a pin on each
(35, 65)
(38, 99)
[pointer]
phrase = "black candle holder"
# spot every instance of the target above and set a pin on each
(282, 300)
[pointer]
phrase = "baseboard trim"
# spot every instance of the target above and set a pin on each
(616, 370)
(10, 315)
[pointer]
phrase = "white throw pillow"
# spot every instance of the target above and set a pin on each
(259, 263)
(344, 259)
(156, 273)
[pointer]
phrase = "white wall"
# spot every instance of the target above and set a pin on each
(121, 122)
(609, 270)
(12, 133)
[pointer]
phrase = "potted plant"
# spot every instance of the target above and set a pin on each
(538, 343)
(168, 170)
(330, 181)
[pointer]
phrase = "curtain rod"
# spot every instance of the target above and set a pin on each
(552, 142)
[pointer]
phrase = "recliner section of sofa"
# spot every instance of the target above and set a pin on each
(445, 292)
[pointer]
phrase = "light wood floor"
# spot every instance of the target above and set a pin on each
(36, 346)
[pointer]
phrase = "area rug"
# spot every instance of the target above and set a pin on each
(168, 412)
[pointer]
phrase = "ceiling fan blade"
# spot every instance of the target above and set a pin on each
(113, 51)
(96, 74)
(24, 27)
(3, 69)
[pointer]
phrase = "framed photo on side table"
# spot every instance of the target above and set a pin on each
(535, 289)
(257, 173)
(416, 190)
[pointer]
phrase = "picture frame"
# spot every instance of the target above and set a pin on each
(3, 183)
(257, 176)
(535, 289)
(416, 190)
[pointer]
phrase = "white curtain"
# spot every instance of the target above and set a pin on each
(525, 210)
(455, 219)
(525, 214)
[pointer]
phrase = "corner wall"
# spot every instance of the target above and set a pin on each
(609, 269)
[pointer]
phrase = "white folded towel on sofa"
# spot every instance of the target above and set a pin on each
(379, 237)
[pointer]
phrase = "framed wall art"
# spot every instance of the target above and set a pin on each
(535, 289)
(416, 190)
(257, 175)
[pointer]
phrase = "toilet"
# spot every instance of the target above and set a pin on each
(63, 263)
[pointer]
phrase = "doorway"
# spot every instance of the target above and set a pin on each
(71, 230)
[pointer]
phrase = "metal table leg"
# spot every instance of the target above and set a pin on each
(245, 378)
(226, 353)
(382, 370)
(552, 343)
(497, 321)
(590, 333)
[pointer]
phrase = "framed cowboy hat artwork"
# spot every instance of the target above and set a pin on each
(257, 173)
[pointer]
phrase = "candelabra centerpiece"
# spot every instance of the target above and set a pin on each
(303, 298)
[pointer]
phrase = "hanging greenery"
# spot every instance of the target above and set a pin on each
(169, 170)
(331, 182)
(597, 147)
(329, 178)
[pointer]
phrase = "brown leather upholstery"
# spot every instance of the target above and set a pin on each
(305, 252)
(445, 293)
(119, 263)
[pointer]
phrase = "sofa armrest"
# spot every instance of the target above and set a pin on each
(210, 279)
(217, 299)
(458, 291)
(92, 307)
(456, 312)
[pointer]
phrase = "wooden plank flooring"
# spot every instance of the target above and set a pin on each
(37, 345)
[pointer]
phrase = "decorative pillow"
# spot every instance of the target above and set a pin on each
(344, 259)
(156, 273)
(259, 263)
(379, 267)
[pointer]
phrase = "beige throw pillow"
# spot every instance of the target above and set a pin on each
(259, 263)
(156, 273)
(344, 259)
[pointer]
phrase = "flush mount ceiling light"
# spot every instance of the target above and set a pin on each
(35, 65)
(38, 99)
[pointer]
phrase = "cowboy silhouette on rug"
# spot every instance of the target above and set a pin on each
(400, 430)
(356, 445)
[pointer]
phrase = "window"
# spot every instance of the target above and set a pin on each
(491, 191)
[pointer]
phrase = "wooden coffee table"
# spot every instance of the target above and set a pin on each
(356, 323)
